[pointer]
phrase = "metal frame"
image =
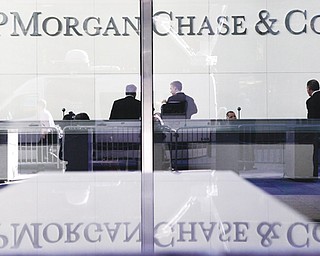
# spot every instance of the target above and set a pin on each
(147, 185)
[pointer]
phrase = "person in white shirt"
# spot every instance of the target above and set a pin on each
(44, 116)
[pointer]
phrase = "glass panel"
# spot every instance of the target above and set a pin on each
(68, 63)
(246, 57)
(66, 136)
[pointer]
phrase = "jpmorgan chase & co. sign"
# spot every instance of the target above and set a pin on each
(165, 22)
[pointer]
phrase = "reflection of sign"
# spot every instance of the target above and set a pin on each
(207, 211)
(40, 235)
(164, 21)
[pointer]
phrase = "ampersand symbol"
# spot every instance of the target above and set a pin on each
(264, 18)
(267, 233)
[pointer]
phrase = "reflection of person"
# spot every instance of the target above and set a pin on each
(46, 120)
(44, 115)
(246, 150)
(128, 107)
(65, 153)
(47, 135)
(75, 147)
(231, 115)
(313, 103)
(179, 96)
(162, 158)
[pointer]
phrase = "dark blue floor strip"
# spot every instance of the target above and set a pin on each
(287, 186)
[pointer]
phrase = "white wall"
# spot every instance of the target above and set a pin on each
(265, 75)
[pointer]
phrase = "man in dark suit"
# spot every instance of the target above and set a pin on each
(313, 103)
(179, 96)
(313, 107)
(128, 107)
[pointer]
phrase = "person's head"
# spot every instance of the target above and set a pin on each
(175, 86)
(131, 89)
(231, 115)
(69, 116)
(312, 85)
(81, 116)
(42, 104)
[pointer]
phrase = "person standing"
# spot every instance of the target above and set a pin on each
(44, 116)
(47, 136)
(179, 96)
(313, 108)
(128, 107)
(313, 103)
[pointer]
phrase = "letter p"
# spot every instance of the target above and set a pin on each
(3, 18)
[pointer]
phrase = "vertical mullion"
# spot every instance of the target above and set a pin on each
(147, 186)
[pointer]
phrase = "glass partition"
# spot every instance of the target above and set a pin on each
(236, 55)
(70, 127)
(71, 65)
(102, 153)
(247, 57)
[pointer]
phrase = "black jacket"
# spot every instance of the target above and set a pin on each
(313, 106)
(191, 106)
(126, 108)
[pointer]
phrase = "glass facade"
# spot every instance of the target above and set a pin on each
(116, 136)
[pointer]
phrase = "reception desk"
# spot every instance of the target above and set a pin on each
(233, 146)
(205, 144)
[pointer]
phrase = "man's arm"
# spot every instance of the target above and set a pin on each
(192, 107)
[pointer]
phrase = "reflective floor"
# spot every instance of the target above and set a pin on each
(204, 212)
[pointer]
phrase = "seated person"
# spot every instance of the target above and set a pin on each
(231, 115)
(82, 116)
(178, 96)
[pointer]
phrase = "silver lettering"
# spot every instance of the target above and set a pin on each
(191, 232)
(4, 19)
(288, 25)
(18, 21)
(164, 23)
(45, 26)
(315, 233)
(222, 24)
(207, 232)
(97, 228)
(71, 26)
(72, 234)
(128, 21)
(113, 232)
(130, 236)
(225, 229)
(312, 24)
(163, 232)
(96, 28)
(291, 237)
(188, 25)
(59, 233)
(241, 228)
(238, 23)
(206, 25)
(18, 237)
(112, 26)
(4, 241)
